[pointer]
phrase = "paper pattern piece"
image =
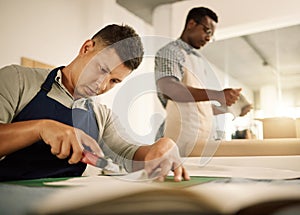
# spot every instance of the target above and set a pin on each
(246, 167)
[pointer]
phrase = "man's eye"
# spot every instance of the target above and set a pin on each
(209, 32)
(115, 81)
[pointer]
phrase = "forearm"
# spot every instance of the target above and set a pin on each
(153, 152)
(200, 95)
(139, 157)
(18, 135)
(177, 91)
(190, 94)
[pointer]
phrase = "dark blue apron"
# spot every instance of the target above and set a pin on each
(37, 161)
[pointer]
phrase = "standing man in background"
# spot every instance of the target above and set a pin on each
(182, 75)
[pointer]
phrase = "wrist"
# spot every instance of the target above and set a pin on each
(41, 125)
(214, 95)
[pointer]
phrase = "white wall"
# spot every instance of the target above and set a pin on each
(52, 31)
(49, 31)
(236, 17)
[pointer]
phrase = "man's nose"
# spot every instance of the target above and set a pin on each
(208, 38)
(103, 85)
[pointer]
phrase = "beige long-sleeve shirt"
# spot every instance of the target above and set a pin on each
(19, 85)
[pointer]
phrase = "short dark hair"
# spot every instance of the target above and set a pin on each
(125, 41)
(197, 13)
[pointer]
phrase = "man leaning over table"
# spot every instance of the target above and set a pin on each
(41, 133)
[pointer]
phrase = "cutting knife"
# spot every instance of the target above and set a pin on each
(105, 164)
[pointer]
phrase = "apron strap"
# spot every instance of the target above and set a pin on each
(47, 85)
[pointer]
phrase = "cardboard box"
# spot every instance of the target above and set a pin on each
(298, 127)
(279, 127)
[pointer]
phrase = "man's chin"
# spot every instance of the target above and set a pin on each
(202, 44)
(198, 46)
(78, 95)
(84, 94)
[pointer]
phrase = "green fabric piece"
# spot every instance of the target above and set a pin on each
(34, 182)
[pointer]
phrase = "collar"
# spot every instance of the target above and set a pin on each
(82, 103)
(188, 48)
(58, 80)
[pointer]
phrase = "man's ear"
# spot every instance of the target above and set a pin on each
(87, 46)
(191, 24)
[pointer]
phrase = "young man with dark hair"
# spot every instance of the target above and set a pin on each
(182, 74)
(48, 118)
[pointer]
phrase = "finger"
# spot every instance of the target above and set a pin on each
(245, 110)
(238, 91)
(55, 148)
(232, 99)
(166, 167)
(92, 144)
(76, 152)
(233, 93)
(151, 164)
(157, 168)
(96, 148)
(161, 179)
(229, 103)
(65, 151)
(178, 174)
(185, 174)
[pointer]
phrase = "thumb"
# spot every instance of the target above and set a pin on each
(92, 146)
